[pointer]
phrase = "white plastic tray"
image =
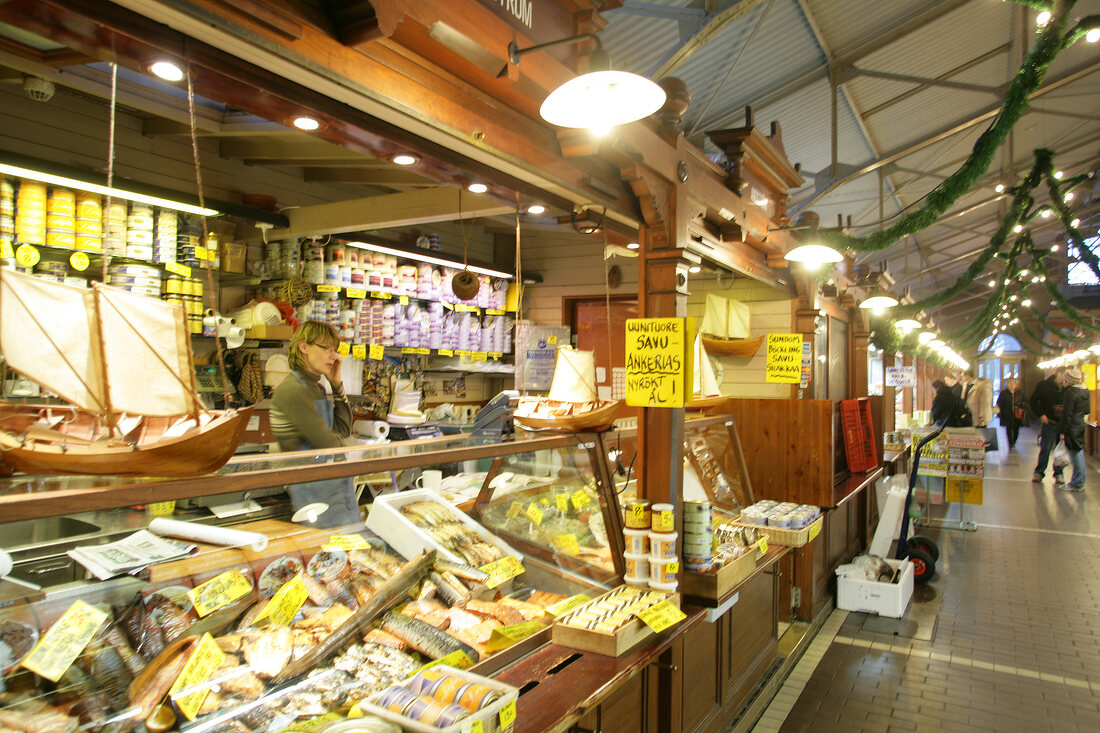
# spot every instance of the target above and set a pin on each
(489, 716)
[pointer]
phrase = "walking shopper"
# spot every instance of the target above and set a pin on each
(1010, 408)
(962, 390)
(979, 400)
(1046, 401)
(945, 405)
(1075, 405)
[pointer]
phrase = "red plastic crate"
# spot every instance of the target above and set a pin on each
(859, 435)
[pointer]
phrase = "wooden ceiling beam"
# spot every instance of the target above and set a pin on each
(287, 151)
(159, 127)
(388, 176)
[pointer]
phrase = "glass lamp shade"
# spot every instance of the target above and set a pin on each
(926, 336)
(599, 100)
(813, 255)
(878, 302)
(907, 324)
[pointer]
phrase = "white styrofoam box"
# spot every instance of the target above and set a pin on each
(869, 596)
(489, 715)
(387, 521)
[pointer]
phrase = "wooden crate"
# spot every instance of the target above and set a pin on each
(719, 583)
(600, 642)
(788, 537)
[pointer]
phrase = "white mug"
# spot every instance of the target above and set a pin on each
(430, 479)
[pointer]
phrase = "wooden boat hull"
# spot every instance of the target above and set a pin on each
(732, 347)
(593, 420)
(705, 403)
(194, 453)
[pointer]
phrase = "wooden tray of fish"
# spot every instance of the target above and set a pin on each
(602, 640)
(420, 519)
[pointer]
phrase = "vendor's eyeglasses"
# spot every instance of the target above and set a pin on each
(328, 349)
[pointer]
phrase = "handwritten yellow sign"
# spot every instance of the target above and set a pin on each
(403, 299)
(457, 659)
(445, 352)
(478, 356)
(178, 269)
(567, 543)
(580, 500)
(347, 542)
(344, 350)
(383, 296)
(79, 261)
(328, 288)
(473, 726)
(27, 255)
(501, 570)
(661, 615)
(219, 591)
(563, 607)
(206, 658)
(505, 636)
(359, 351)
(357, 293)
(284, 605)
(64, 641)
(784, 361)
(656, 362)
(6, 251)
(562, 502)
(377, 351)
(507, 715)
(515, 510)
(534, 512)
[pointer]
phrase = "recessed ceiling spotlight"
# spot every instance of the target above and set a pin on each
(1054, 248)
(1046, 213)
(1075, 223)
(1042, 18)
(404, 159)
(633, 245)
(999, 188)
(477, 188)
(166, 70)
(536, 209)
(695, 268)
(1068, 197)
(992, 283)
(305, 123)
(1058, 175)
(1093, 35)
(1018, 228)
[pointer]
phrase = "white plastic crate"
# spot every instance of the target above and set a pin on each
(489, 715)
(869, 596)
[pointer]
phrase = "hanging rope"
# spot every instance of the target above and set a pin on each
(110, 167)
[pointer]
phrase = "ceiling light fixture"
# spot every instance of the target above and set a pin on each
(812, 256)
(695, 268)
(404, 159)
(1058, 175)
(999, 188)
(925, 336)
(633, 245)
(600, 99)
(992, 283)
(1068, 197)
(878, 302)
(477, 188)
(306, 123)
(1075, 223)
(905, 325)
(420, 256)
(536, 209)
(121, 193)
(1093, 35)
(1042, 18)
(1018, 228)
(166, 70)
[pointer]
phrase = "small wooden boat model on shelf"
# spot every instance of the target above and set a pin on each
(124, 364)
(732, 347)
(725, 328)
(573, 404)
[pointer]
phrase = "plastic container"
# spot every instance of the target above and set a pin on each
(663, 518)
(666, 587)
(636, 582)
(660, 572)
(637, 541)
(662, 545)
(636, 514)
(637, 566)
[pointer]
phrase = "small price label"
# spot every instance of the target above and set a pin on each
(494, 312)
(284, 605)
(763, 545)
(580, 500)
(496, 355)
(552, 340)
(343, 350)
(377, 351)
(473, 726)
(27, 255)
(347, 542)
(507, 714)
(5, 249)
(478, 356)
(178, 269)
(567, 543)
(534, 511)
(447, 305)
(403, 299)
(64, 641)
(79, 261)
(445, 352)
(505, 636)
(457, 659)
(462, 308)
(815, 529)
(219, 591)
(206, 658)
(515, 510)
(464, 353)
(356, 293)
(562, 502)
(501, 570)
(359, 351)
(408, 350)
(673, 567)
(563, 607)
(382, 296)
(638, 511)
(162, 508)
(661, 615)
(328, 288)
(202, 253)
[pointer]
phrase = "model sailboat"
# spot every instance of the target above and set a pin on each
(705, 390)
(573, 403)
(725, 328)
(124, 362)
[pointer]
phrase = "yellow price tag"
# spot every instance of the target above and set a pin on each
(507, 714)
(580, 500)
(377, 351)
(673, 567)
(5, 249)
(201, 253)
(563, 607)
(178, 269)
(562, 502)
(515, 510)
(79, 261)
(457, 659)
(815, 529)
(661, 615)
(206, 658)
(347, 542)
(494, 312)
(534, 512)
(356, 293)
(359, 351)
(638, 510)
(496, 355)
(422, 350)
(316, 725)
(383, 296)
(409, 350)
(763, 545)
(479, 356)
(502, 570)
(445, 352)
(328, 288)
(219, 591)
(460, 308)
(447, 305)
(505, 636)
(162, 508)
(473, 726)
(284, 605)
(552, 340)
(343, 350)
(403, 299)
(64, 641)
(567, 543)
(27, 255)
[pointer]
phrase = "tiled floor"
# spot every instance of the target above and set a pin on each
(1007, 635)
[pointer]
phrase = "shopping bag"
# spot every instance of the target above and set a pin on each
(1061, 457)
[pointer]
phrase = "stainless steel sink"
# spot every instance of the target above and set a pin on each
(50, 530)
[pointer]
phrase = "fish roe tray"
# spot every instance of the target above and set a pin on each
(609, 643)
(787, 537)
(490, 716)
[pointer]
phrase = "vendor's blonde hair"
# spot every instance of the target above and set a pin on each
(311, 332)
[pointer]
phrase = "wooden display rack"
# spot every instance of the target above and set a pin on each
(600, 642)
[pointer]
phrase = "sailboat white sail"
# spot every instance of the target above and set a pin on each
(704, 381)
(725, 317)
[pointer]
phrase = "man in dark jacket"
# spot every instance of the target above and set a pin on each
(1075, 405)
(945, 405)
(1046, 401)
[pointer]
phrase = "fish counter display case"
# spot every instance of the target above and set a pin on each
(314, 621)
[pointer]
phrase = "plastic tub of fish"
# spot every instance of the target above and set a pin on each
(366, 724)
(489, 714)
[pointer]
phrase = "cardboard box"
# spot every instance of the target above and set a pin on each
(869, 596)
(281, 332)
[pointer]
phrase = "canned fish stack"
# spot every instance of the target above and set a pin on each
(363, 330)
(347, 321)
(114, 230)
(166, 236)
(437, 699)
(139, 232)
(51, 270)
(313, 269)
(89, 221)
(61, 219)
(188, 240)
(7, 221)
(30, 213)
(664, 562)
(136, 279)
(698, 536)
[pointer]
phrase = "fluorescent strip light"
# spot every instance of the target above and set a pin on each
(33, 175)
(429, 259)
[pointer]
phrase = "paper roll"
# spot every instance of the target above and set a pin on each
(205, 533)
(5, 564)
(378, 429)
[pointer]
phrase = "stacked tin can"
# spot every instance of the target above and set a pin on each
(188, 240)
(663, 557)
(698, 536)
(115, 215)
(89, 221)
(313, 268)
(165, 236)
(30, 213)
(7, 223)
(139, 232)
(52, 270)
(61, 219)
(136, 279)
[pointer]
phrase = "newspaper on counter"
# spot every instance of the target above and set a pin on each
(130, 554)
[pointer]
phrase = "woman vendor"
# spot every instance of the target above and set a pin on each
(303, 418)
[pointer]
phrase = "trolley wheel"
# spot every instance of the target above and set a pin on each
(924, 567)
(923, 543)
